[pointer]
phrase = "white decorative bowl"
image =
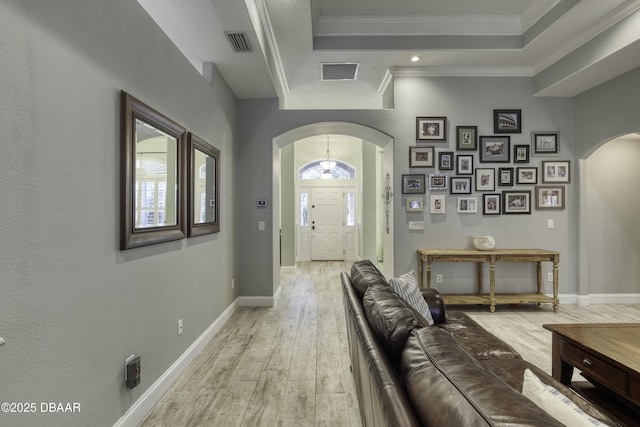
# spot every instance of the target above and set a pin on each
(484, 243)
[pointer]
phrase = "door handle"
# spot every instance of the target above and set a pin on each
(313, 227)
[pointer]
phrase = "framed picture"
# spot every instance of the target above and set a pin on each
(431, 129)
(464, 164)
(421, 157)
(445, 160)
(544, 143)
(550, 196)
(413, 184)
(438, 182)
(495, 149)
(467, 138)
(520, 154)
(485, 179)
(516, 202)
(556, 171)
(527, 175)
(436, 204)
(467, 205)
(460, 185)
(414, 204)
(491, 204)
(505, 177)
(507, 121)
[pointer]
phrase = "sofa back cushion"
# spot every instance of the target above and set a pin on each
(449, 387)
(364, 274)
(390, 319)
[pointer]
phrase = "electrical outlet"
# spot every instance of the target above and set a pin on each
(180, 327)
(438, 278)
(549, 277)
(549, 223)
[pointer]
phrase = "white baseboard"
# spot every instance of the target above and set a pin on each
(613, 299)
(585, 300)
(152, 395)
(284, 269)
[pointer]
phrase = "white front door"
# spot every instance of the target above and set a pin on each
(327, 224)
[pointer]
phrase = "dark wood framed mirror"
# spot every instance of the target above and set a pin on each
(204, 179)
(153, 176)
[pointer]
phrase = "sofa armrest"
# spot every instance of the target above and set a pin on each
(436, 304)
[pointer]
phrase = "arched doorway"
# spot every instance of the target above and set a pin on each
(365, 133)
(609, 233)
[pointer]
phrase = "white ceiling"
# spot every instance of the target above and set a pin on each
(566, 46)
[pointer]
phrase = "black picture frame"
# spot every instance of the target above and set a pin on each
(464, 164)
(495, 149)
(545, 143)
(460, 185)
(467, 138)
(491, 204)
(516, 202)
(507, 121)
(505, 177)
(520, 153)
(431, 129)
(413, 184)
(446, 160)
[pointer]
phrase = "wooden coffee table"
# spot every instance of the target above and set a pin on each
(608, 354)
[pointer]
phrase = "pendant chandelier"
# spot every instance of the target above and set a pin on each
(328, 164)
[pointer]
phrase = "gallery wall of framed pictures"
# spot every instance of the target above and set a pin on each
(497, 174)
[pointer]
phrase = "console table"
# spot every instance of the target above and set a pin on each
(428, 256)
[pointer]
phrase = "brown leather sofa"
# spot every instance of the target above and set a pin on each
(454, 373)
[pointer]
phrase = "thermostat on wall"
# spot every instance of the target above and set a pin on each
(261, 203)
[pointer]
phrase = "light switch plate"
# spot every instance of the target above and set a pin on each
(416, 225)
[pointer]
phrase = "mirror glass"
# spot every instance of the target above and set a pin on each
(153, 176)
(156, 181)
(204, 170)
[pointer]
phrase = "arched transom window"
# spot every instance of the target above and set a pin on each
(314, 170)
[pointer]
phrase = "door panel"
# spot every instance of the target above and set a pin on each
(327, 224)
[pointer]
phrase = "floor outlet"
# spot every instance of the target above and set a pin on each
(180, 327)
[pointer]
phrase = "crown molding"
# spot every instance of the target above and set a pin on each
(462, 72)
(417, 25)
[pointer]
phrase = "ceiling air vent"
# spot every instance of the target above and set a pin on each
(239, 41)
(339, 71)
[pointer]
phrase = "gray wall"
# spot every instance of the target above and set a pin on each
(465, 101)
(607, 111)
(609, 213)
(72, 306)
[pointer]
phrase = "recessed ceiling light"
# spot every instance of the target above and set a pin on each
(415, 58)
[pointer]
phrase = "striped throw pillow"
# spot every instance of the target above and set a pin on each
(406, 286)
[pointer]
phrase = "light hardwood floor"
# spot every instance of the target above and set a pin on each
(288, 365)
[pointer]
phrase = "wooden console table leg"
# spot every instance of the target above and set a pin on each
(556, 301)
(539, 276)
(492, 285)
(428, 272)
(420, 267)
(479, 273)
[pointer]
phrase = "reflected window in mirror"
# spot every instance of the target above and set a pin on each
(204, 177)
(153, 181)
